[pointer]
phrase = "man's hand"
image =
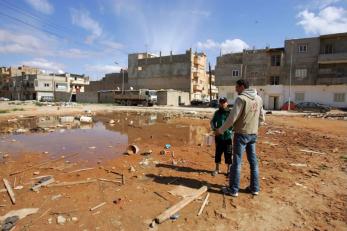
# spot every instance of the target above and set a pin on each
(217, 132)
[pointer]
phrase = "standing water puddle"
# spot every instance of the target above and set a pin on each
(99, 140)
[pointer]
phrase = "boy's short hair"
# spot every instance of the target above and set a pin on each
(243, 82)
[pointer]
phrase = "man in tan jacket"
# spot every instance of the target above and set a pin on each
(245, 118)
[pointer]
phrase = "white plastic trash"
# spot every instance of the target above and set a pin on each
(208, 139)
(86, 119)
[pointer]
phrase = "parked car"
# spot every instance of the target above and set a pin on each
(196, 102)
(47, 99)
(214, 103)
(285, 106)
(4, 99)
(311, 106)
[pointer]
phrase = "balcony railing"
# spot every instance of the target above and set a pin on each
(332, 58)
(197, 87)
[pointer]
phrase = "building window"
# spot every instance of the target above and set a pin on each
(139, 68)
(299, 96)
(235, 73)
(46, 84)
(328, 49)
(339, 97)
(276, 60)
(230, 95)
(302, 48)
(274, 80)
(301, 73)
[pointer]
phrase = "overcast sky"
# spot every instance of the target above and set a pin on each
(90, 36)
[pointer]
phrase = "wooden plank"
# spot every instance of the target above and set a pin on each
(41, 164)
(113, 181)
(98, 206)
(123, 179)
(203, 204)
(177, 207)
(81, 170)
(45, 183)
(9, 190)
(72, 183)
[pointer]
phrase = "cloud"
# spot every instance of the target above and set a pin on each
(42, 6)
(228, 46)
(102, 69)
(234, 45)
(328, 20)
(209, 44)
(203, 13)
(112, 44)
(45, 65)
(82, 19)
(12, 42)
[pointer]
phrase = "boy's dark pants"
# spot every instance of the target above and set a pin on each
(223, 146)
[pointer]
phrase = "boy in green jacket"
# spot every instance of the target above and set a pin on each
(223, 142)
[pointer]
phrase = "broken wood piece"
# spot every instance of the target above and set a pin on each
(20, 213)
(41, 164)
(123, 179)
(161, 196)
(111, 171)
(14, 182)
(203, 204)
(313, 152)
(113, 181)
(72, 183)
(9, 190)
(174, 180)
(98, 206)
(81, 170)
(177, 207)
(43, 182)
(39, 177)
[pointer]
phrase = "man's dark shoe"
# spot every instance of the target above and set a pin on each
(227, 191)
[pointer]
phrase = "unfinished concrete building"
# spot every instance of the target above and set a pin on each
(306, 69)
(111, 81)
(183, 72)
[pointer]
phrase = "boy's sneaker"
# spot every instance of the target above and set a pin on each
(254, 193)
(227, 191)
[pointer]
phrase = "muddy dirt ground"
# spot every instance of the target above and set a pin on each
(302, 165)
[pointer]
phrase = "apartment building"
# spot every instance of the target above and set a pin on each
(7, 72)
(183, 72)
(306, 69)
(51, 87)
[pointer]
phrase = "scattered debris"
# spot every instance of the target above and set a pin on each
(61, 220)
(42, 182)
(111, 122)
(132, 169)
(74, 219)
(92, 147)
(132, 149)
(298, 165)
(56, 197)
(36, 173)
(21, 130)
(9, 190)
(204, 204)
(177, 207)
(113, 181)
(182, 191)
(41, 164)
(66, 119)
(301, 185)
(98, 206)
(86, 119)
(9, 223)
(174, 216)
(72, 183)
(80, 170)
(20, 213)
(313, 152)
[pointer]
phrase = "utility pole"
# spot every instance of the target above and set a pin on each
(290, 73)
(210, 77)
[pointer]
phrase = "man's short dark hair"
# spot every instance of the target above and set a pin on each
(243, 82)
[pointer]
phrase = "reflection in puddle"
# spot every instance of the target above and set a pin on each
(99, 140)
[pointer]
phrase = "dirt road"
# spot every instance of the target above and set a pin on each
(302, 172)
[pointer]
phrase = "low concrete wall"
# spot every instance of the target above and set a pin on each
(87, 97)
(62, 96)
(106, 97)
